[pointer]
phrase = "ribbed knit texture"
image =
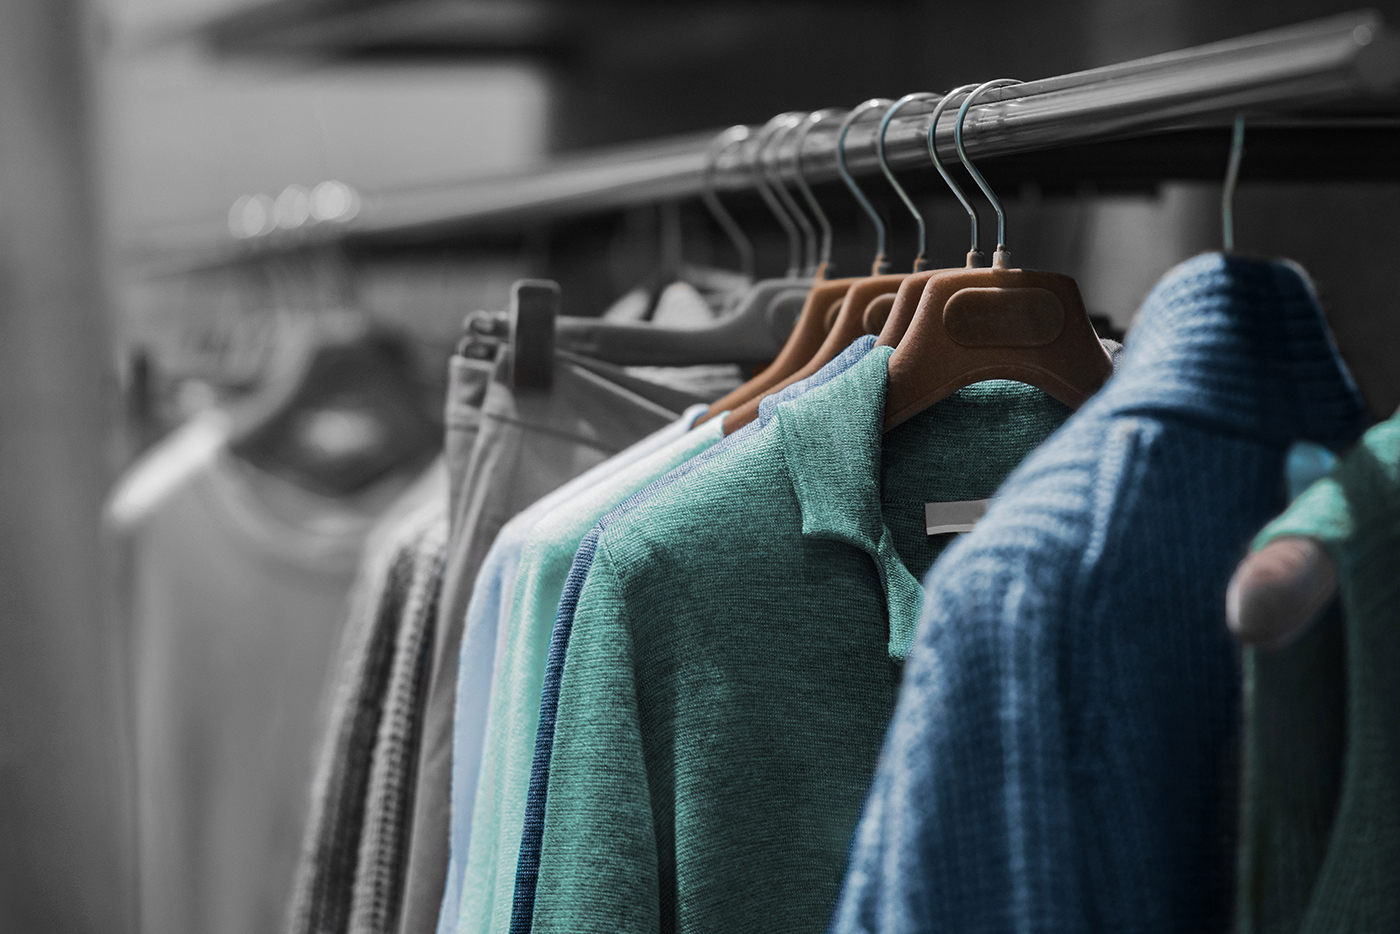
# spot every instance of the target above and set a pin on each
(323, 889)
(1063, 757)
(498, 813)
(486, 625)
(1321, 847)
(378, 888)
(730, 670)
(528, 867)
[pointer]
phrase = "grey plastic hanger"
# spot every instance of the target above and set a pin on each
(721, 144)
(752, 331)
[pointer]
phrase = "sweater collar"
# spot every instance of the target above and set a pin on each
(1241, 344)
(831, 438)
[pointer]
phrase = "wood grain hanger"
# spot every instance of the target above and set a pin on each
(994, 323)
(889, 315)
(848, 323)
(812, 324)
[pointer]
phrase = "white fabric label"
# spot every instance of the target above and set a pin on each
(961, 516)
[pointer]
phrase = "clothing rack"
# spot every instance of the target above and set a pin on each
(1344, 68)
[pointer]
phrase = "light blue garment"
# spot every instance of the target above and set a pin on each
(1063, 757)
(527, 871)
(522, 649)
(486, 609)
(1307, 463)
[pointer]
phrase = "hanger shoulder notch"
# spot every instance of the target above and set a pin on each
(890, 316)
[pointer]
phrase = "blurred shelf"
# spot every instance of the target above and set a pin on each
(476, 29)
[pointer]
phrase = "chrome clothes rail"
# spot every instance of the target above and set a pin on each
(1345, 59)
(1342, 65)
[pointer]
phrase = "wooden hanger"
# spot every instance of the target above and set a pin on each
(812, 324)
(849, 322)
(994, 323)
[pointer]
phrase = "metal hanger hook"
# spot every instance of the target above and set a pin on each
(967, 163)
(861, 199)
(889, 175)
(948, 179)
(775, 178)
(815, 117)
(1232, 177)
(722, 143)
(759, 172)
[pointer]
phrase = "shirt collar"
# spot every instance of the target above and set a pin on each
(853, 354)
(1241, 344)
(831, 438)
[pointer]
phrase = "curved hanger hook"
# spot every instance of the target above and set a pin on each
(722, 143)
(889, 175)
(1232, 177)
(948, 179)
(759, 173)
(879, 264)
(967, 163)
(815, 117)
(775, 179)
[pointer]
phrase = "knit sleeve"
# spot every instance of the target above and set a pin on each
(598, 868)
(1321, 834)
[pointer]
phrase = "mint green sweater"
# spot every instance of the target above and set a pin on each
(1320, 850)
(736, 654)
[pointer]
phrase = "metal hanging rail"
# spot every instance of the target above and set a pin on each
(1345, 64)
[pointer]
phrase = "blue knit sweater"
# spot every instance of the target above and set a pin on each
(1064, 753)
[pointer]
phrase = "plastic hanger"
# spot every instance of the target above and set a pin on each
(848, 323)
(342, 409)
(753, 331)
(889, 315)
(782, 127)
(812, 323)
(995, 323)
